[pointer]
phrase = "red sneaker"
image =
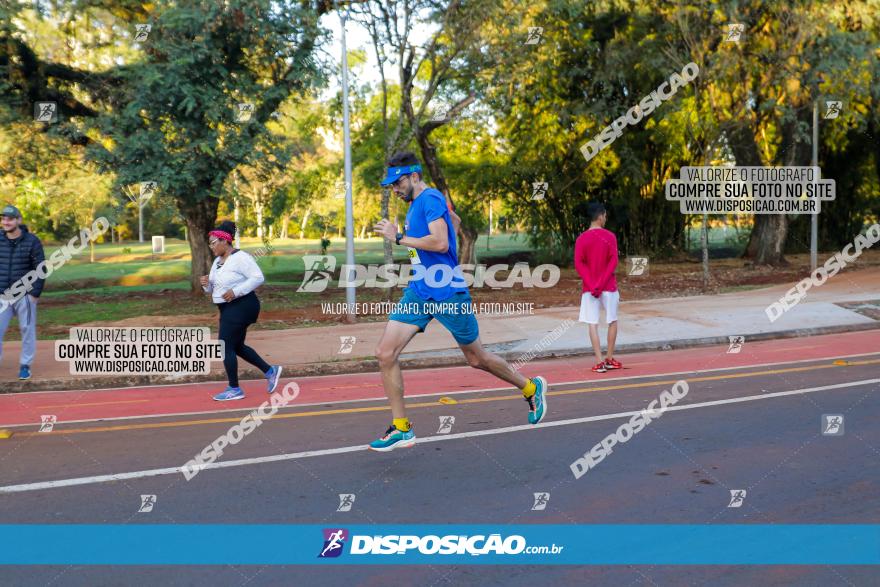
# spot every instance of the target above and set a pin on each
(612, 364)
(599, 368)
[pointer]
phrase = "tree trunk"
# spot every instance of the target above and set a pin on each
(305, 221)
(384, 210)
(235, 216)
(387, 257)
(467, 251)
(467, 247)
(258, 209)
(772, 229)
(200, 218)
(285, 220)
(429, 156)
(768, 239)
(874, 127)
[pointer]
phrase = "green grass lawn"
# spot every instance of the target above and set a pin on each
(719, 238)
(138, 270)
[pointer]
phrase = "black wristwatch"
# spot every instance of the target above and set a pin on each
(398, 237)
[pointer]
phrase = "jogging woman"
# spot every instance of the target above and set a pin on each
(234, 277)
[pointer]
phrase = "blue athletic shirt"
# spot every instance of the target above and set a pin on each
(424, 209)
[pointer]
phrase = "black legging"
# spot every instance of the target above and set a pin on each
(235, 317)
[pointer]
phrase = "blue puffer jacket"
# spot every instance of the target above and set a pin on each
(18, 256)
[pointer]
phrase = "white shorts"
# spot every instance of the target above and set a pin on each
(590, 307)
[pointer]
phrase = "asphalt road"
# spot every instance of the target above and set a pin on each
(734, 430)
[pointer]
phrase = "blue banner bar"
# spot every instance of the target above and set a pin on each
(670, 544)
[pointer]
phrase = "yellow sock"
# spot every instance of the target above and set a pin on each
(530, 389)
(402, 424)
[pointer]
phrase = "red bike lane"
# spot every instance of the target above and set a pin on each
(195, 398)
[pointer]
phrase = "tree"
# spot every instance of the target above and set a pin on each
(424, 74)
(170, 116)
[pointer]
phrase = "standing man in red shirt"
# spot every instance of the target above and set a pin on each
(595, 258)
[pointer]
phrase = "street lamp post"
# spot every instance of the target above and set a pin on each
(814, 218)
(814, 161)
(349, 213)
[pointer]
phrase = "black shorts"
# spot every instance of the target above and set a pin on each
(243, 310)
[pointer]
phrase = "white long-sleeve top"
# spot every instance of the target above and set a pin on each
(240, 273)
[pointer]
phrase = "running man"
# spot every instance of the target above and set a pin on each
(436, 290)
(595, 258)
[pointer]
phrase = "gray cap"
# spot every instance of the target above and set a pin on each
(11, 211)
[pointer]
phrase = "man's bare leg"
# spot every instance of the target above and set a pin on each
(394, 339)
(612, 338)
(534, 390)
(479, 358)
(597, 344)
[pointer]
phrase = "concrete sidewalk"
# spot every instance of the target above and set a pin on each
(849, 301)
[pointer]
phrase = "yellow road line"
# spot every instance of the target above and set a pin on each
(475, 400)
(128, 401)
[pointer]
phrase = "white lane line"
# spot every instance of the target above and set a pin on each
(294, 406)
(438, 438)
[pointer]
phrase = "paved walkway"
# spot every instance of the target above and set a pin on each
(849, 301)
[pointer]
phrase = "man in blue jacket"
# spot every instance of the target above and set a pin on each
(20, 253)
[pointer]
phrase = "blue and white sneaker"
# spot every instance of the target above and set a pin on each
(394, 438)
(538, 402)
(273, 376)
(24, 372)
(229, 394)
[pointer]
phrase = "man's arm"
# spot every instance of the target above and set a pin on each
(437, 241)
(580, 262)
(611, 263)
(37, 257)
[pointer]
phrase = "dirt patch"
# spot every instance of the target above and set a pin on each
(160, 321)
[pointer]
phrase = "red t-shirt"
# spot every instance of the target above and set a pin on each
(595, 258)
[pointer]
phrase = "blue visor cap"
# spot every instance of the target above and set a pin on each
(395, 173)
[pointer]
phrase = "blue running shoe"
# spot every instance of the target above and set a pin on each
(394, 438)
(229, 394)
(273, 376)
(24, 372)
(538, 402)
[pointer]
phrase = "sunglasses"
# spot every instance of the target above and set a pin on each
(401, 178)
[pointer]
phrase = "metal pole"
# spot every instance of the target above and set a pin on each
(489, 236)
(235, 210)
(349, 214)
(814, 218)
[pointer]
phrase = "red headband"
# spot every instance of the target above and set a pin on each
(221, 234)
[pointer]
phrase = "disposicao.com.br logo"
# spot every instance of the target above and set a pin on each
(319, 272)
(431, 544)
